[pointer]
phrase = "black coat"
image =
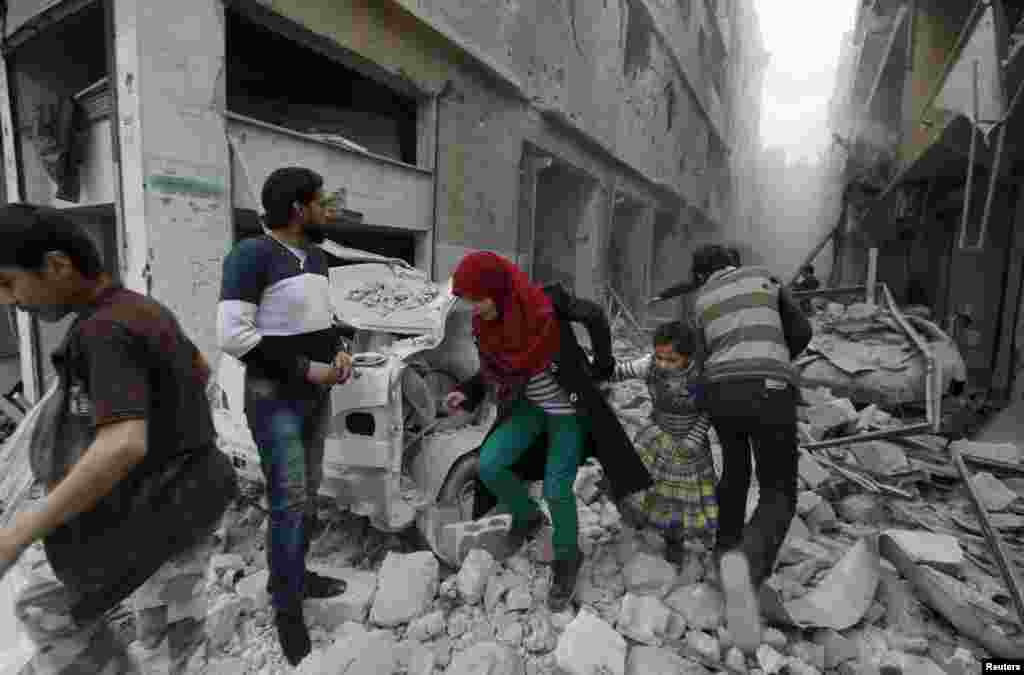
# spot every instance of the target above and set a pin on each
(606, 440)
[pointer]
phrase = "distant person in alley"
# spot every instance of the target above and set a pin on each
(275, 316)
(750, 393)
(124, 445)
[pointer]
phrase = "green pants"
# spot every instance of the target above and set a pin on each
(506, 446)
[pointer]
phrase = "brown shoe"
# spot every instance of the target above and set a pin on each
(742, 612)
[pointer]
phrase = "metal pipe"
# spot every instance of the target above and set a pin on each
(869, 436)
(993, 179)
(1002, 558)
(829, 292)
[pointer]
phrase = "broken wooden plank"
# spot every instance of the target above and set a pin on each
(998, 548)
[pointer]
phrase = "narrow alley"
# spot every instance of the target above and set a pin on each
(866, 155)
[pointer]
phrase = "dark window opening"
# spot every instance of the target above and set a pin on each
(360, 423)
(638, 40)
(274, 79)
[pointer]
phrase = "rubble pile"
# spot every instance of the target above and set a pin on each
(885, 569)
(861, 352)
(387, 298)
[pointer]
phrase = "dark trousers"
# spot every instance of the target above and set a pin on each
(289, 434)
(760, 415)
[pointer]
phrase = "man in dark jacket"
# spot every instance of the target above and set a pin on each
(124, 445)
(751, 396)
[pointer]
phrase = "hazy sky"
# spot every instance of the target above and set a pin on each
(803, 38)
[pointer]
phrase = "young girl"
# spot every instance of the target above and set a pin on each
(675, 446)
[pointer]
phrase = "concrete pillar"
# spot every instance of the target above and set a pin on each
(174, 159)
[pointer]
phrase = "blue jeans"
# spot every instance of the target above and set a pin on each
(289, 434)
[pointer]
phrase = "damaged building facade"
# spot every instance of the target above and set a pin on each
(929, 139)
(594, 143)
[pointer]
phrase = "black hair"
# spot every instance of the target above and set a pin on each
(680, 334)
(710, 258)
(283, 188)
(28, 232)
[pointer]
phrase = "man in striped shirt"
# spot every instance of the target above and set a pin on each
(751, 396)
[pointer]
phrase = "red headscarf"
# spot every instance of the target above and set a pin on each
(524, 338)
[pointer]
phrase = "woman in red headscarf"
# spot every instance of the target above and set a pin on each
(548, 400)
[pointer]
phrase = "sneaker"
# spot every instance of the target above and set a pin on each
(563, 586)
(319, 587)
(293, 636)
(742, 613)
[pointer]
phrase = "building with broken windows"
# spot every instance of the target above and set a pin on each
(927, 122)
(593, 142)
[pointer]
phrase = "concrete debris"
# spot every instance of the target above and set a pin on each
(994, 495)
(735, 660)
(406, 586)
(704, 644)
(862, 508)
(486, 658)
(392, 297)
(941, 551)
(831, 416)
(646, 574)
(476, 572)
(643, 618)
(770, 660)
(1009, 453)
(809, 653)
(222, 620)
(881, 457)
(654, 661)
(254, 589)
(426, 627)
(589, 645)
(701, 605)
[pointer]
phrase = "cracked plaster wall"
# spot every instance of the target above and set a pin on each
(567, 57)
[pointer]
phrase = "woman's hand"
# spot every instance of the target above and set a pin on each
(454, 401)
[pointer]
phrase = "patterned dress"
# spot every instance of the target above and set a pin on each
(676, 449)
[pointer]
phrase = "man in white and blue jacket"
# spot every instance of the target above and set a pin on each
(275, 316)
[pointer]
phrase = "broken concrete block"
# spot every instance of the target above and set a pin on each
(222, 621)
(773, 637)
(542, 637)
(476, 571)
(223, 562)
(797, 667)
(509, 631)
(419, 660)
(643, 618)
(811, 471)
(363, 653)
(654, 661)
(701, 605)
(905, 643)
(352, 605)
(590, 644)
(994, 495)
(647, 575)
(406, 586)
(822, 518)
(704, 644)
(797, 529)
(881, 457)
(806, 501)
(676, 628)
(426, 627)
(809, 653)
(1000, 452)
(872, 417)
(900, 663)
(735, 660)
(254, 588)
(587, 485)
(770, 660)
(862, 508)
(486, 658)
(941, 551)
(830, 416)
(838, 649)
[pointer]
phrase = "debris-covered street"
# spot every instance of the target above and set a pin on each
(885, 569)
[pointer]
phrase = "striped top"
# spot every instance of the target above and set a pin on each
(738, 313)
(544, 392)
(673, 411)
